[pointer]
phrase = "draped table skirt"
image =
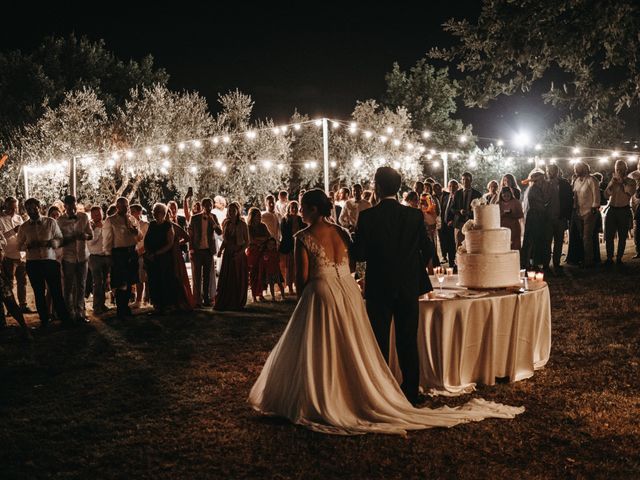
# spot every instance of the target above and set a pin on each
(464, 341)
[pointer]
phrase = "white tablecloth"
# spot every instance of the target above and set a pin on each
(462, 342)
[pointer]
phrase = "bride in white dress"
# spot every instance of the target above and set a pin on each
(326, 372)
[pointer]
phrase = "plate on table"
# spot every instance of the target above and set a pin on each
(472, 294)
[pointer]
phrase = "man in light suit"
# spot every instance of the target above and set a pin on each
(202, 230)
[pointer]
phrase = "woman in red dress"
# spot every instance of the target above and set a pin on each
(258, 236)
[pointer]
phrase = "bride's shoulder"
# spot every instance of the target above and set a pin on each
(302, 233)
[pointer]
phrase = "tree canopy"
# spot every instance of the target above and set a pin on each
(587, 50)
(33, 81)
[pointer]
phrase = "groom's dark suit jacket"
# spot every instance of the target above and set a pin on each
(393, 240)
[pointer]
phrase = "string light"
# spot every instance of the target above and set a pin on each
(538, 147)
(251, 134)
(164, 148)
(318, 122)
(575, 150)
(462, 139)
(297, 127)
(368, 134)
(129, 154)
(252, 168)
(389, 130)
(333, 164)
(615, 154)
(500, 143)
(426, 134)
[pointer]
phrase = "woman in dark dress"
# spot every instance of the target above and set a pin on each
(289, 226)
(159, 263)
(234, 278)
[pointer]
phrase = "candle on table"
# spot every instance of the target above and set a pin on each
(450, 271)
(531, 275)
(539, 276)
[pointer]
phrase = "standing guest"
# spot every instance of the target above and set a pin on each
(233, 282)
(120, 235)
(537, 222)
(352, 208)
(271, 218)
(342, 195)
(258, 236)
(510, 215)
(492, 196)
(184, 297)
(447, 231)
(560, 207)
(430, 212)
(13, 266)
(586, 194)
(271, 268)
(143, 226)
(619, 192)
(99, 262)
(411, 200)
(39, 237)
(282, 205)
(220, 211)
(508, 180)
(181, 221)
(202, 230)
(76, 230)
(635, 207)
(8, 300)
(461, 207)
(334, 208)
(418, 187)
(367, 196)
(599, 228)
(300, 194)
(290, 225)
(159, 246)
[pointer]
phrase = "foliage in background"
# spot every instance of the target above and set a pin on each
(590, 45)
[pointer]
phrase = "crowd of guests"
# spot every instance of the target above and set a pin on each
(114, 252)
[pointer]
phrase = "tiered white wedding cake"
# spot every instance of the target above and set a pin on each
(486, 260)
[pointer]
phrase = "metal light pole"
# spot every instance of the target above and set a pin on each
(325, 151)
(72, 176)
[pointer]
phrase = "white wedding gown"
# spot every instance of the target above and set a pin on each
(327, 373)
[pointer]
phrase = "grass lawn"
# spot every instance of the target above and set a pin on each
(165, 397)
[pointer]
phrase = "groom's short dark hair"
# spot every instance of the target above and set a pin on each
(388, 181)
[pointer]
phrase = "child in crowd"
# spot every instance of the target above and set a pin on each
(271, 267)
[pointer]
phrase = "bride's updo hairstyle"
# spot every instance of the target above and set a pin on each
(318, 199)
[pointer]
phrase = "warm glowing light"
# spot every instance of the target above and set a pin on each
(396, 142)
(615, 154)
(111, 163)
(297, 126)
(226, 139)
(500, 143)
(333, 164)
(252, 168)
(166, 164)
(521, 139)
(181, 146)
(462, 139)
(148, 151)
(251, 134)
(357, 163)
(538, 147)
(426, 134)
(335, 125)
(317, 122)
(436, 164)
(164, 148)
(389, 130)
(197, 144)
(193, 169)
(383, 139)
(575, 150)
(267, 164)
(368, 134)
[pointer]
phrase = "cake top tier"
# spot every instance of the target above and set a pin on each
(486, 217)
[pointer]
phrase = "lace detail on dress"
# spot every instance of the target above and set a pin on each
(318, 257)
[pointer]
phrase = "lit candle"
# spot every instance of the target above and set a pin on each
(531, 275)
(450, 271)
(539, 276)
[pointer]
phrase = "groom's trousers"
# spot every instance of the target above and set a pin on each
(404, 313)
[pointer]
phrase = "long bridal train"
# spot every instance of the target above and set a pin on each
(327, 373)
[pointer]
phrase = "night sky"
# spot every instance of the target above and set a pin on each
(319, 63)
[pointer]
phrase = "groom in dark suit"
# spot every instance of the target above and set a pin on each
(393, 240)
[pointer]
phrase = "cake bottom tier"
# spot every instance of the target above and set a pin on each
(489, 270)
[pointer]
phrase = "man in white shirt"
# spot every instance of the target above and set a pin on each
(352, 208)
(12, 265)
(202, 230)
(99, 262)
(141, 287)
(586, 195)
(120, 235)
(76, 230)
(39, 237)
(619, 192)
(270, 218)
(282, 204)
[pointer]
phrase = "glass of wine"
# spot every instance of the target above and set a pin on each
(440, 275)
